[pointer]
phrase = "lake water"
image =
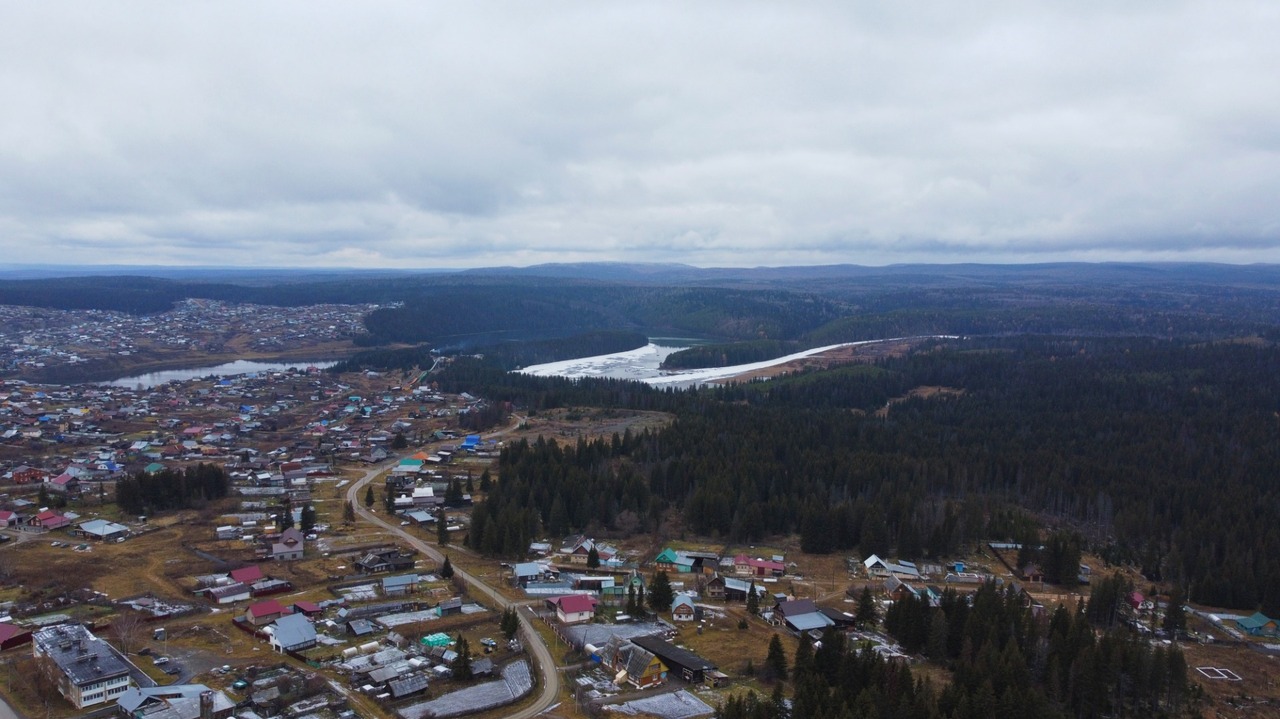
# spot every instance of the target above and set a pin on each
(230, 369)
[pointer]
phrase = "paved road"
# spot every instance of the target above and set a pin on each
(529, 636)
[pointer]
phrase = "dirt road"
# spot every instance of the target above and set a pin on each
(546, 667)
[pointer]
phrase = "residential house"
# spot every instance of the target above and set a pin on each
(265, 612)
(800, 615)
(176, 701)
(65, 483)
(92, 672)
(682, 609)
(12, 635)
(385, 560)
(292, 633)
(689, 666)
(47, 521)
(28, 475)
(290, 546)
(230, 593)
(632, 663)
(102, 530)
(247, 575)
(578, 551)
(399, 585)
(1258, 625)
(879, 568)
(757, 567)
(526, 572)
(8, 519)
(575, 608)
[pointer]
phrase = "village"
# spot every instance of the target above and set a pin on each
(332, 577)
(37, 342)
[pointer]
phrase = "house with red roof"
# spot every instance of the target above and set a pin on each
(264, 613)
(575, 608)
(65, 483)
(754, 566)
(246, 575)
(7, 518)
(13, 636)
(48, 520)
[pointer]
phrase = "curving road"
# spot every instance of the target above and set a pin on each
(545, 664)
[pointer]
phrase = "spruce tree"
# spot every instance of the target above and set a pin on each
(348, 513)
(753, 599)
(510, 623)
(308, 518)
(368, 497)
(660, 593)
(446, 569)
(775, 662)
(461, 665)
(442, 529)
(867, 611)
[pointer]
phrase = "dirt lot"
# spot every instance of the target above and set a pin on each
(1256, 694)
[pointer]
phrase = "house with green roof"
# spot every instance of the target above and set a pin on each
(1258, 625)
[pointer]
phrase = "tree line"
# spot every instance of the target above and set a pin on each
(142, 493)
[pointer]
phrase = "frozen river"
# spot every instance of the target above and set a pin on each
(642, 365)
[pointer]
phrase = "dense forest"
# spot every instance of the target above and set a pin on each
(1160, 453)
(789, 307)
(728, 354)
(502, 356)
(144, 493)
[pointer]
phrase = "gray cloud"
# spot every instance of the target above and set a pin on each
(416, 135)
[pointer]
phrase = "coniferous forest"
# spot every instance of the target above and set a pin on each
(1159, 453)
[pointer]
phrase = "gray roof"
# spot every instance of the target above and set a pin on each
(811, 620)
(400, 580)
(84, 658)
(528, 569)
(103, 528)
(294, 630)
(405, 686)
(183, 700)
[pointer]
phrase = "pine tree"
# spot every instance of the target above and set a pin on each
(803, 660)
(442, 529)
(510, 623)
(1175, 617)
(285, 518)
(368, 497)
(446, 569)
(775, 662)
(308, 518)
(486, 481)
(593, 558)
(348, 513)
(461, 665)
(660, 593)
(753, 599)
(867, 611)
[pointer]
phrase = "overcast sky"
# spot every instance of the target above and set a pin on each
(385, 134)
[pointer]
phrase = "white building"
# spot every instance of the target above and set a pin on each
(92, 671)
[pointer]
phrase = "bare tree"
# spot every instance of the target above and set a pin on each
(127, 626)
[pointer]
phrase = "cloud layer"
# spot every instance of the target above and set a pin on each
(415, 135)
